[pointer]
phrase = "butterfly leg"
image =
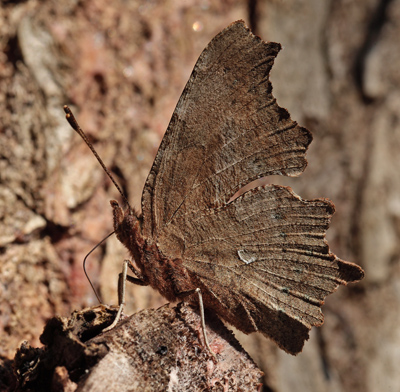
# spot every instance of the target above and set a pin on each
(202, 317)
(122, 279)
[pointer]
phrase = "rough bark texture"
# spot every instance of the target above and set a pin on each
(153, 350)
(123, 66)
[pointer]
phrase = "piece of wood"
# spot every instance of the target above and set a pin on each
(153, 350)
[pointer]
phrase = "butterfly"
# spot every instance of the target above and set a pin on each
(260, 261)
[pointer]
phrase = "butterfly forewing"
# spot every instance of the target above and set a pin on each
(226, 131)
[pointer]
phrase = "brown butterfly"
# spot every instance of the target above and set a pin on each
(260, 261)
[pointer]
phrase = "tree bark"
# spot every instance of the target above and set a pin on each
(122, 66)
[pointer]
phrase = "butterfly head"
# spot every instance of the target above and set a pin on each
(126, 224)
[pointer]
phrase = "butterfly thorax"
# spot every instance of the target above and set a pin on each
(165, 274)
(128, 231)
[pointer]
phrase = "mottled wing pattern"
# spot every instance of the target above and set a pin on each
(226, 131)
(263, 263)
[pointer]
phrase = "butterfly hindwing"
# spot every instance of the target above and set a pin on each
(263, 261)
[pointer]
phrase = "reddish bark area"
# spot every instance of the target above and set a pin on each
(122, 66)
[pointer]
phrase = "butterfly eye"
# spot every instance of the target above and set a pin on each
(117, 212)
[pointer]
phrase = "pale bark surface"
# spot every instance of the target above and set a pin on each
(123, 65)
(153, 350)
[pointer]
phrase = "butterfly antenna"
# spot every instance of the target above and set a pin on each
(75, 126)
(84, 265)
